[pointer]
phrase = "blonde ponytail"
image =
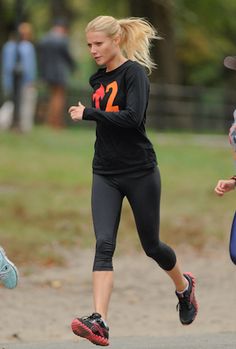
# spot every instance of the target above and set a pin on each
(136, 36)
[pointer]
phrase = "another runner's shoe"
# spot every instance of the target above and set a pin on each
(187, 305)
(92, 328)
(8, 271)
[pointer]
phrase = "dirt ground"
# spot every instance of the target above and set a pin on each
(143, 301)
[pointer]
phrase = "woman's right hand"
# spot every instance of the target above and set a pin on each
(76, 112)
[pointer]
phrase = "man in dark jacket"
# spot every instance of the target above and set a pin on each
(55, 63)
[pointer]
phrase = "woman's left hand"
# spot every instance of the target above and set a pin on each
(224, 185)
(76, 112)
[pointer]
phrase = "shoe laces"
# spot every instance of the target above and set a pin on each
(184, 301)
(96, 317)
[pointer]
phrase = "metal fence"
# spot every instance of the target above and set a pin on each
(176, 107)
(191, 108)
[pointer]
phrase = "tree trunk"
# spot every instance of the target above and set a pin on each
(61, 9)
(159, 13)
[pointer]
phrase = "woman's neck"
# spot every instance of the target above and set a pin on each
(115, 63)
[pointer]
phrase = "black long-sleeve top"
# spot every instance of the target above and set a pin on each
(119, 104)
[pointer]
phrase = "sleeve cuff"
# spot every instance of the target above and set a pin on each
(88, 114)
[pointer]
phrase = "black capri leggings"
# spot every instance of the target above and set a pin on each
(143, 194)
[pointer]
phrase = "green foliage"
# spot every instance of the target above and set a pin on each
(205, 32)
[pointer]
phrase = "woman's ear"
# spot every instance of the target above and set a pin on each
(116, 40)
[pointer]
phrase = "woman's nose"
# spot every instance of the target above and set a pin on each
(93, 49)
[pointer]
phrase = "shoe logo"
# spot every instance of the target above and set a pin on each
(4, 271)
(97, 330)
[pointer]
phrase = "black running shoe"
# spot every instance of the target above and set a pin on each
(92, 328)
(187, 305)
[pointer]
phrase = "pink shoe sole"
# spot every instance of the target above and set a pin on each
(83, 331)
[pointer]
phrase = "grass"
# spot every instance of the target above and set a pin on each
(45, 183)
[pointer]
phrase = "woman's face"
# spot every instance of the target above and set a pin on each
(103, 48)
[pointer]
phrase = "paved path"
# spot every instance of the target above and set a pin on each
(206, 341)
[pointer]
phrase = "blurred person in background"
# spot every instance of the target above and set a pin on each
(124, 165)
(55, 63)
(8, 271)
(19, 57)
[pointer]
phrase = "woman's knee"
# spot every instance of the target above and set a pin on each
(104, 254)
(162, 254)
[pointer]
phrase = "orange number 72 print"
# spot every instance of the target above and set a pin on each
(99, 94)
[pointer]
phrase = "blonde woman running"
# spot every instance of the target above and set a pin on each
(124, 164)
